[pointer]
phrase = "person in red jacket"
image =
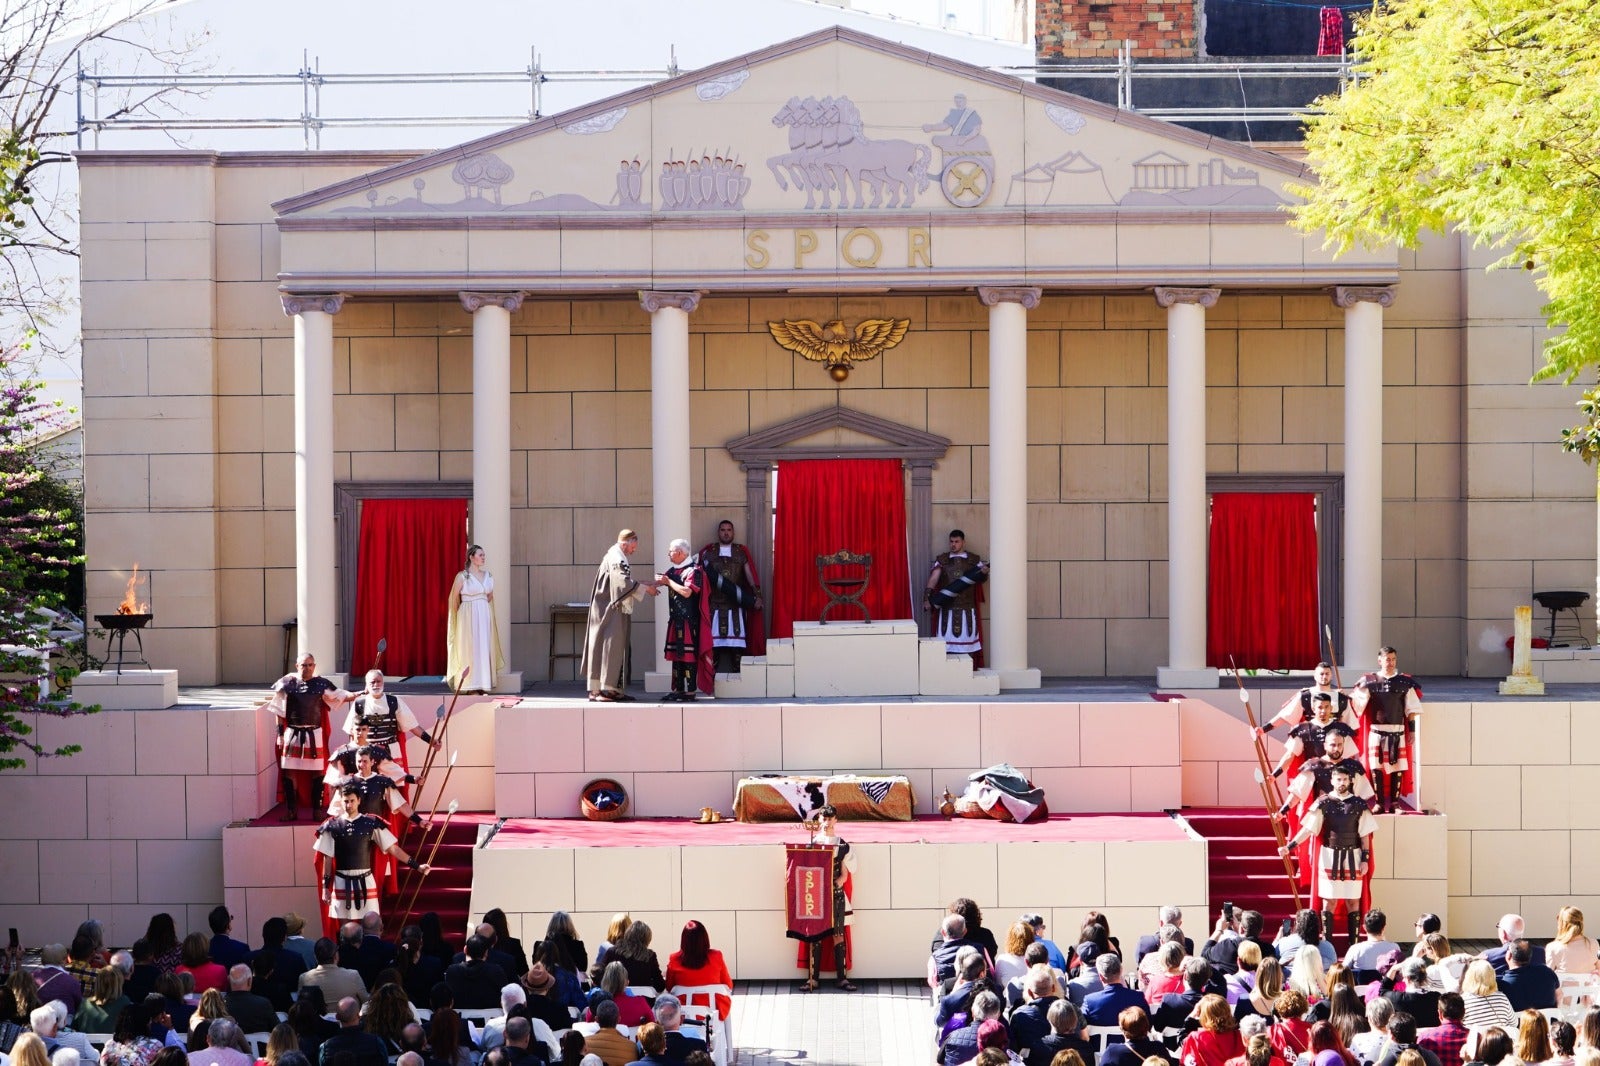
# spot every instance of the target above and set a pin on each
(1217, 1040)
(696, 962)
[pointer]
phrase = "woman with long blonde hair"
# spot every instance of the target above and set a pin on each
(1263, 997)
(211, 1007)
(1571, 951)
(29, 1050)
(1306, 976)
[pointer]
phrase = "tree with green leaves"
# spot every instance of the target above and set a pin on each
(39, 544)
(1481, 116)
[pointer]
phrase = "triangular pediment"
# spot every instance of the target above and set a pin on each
(837, 432)
(834, 121)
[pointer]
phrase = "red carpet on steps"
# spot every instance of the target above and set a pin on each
(1244, 866)
(447, 889)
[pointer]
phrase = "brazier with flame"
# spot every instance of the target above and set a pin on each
(130, 617)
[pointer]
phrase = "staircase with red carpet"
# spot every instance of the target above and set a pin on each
(447, 889)
(1244, 868)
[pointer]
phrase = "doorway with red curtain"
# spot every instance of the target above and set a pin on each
(1263, 577)
(824, 505)
(410, 553)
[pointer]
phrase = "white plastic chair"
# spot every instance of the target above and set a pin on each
(719, 1031)
(1100, 1035)
(258, 1043)
(98, 1041)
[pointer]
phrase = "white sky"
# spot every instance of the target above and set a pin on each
(351, 36)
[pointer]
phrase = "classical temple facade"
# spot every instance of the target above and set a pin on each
(1111, 320)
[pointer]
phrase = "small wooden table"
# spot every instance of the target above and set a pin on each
(567, 614)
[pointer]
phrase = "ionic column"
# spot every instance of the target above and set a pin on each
(1006, 643)
(758, 517)
(491, 455)
(1363, 470)
(669, 442)
(316, 610)
(1188, 512)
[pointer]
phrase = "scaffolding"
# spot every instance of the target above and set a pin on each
(102, 108)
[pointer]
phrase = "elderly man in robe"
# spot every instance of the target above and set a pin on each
(611, 606)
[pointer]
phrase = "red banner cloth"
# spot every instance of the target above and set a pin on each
(825, 505)
(808, 891)
(411, 551)
(1263, 581)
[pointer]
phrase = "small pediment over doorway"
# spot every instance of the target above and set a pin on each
(838, 433)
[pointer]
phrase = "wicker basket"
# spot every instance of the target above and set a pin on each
(595, 791)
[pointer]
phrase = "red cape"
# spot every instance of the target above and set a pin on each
(1407, 779)
(755, 638)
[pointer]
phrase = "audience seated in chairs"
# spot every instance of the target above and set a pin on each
(99, 1010)
(476, 982)
(619, 925)
(633, 951)
(972, 977)
(562, 945)
(131, 1043)
(1030, 1023)
(225, 1046)
(669, 1015)
(961, 1045)
(1216, 1040)
(1136, 1045)
(632, 1010)
(613, 1047)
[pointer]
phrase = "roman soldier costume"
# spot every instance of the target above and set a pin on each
(1387, 705)
(1341, 826)
(301, 706)
(731, 603)
(388, 720)
(689, 640)
(955, 600)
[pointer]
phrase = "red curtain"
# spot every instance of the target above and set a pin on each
(1263, 581)
(411, 551)
(827, 504)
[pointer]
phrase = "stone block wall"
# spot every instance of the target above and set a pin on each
(130, 826)
(1518, 781)
(189, 430)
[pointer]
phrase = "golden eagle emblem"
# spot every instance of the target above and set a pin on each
(835, 345)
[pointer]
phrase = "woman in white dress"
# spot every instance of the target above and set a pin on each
(473, 639)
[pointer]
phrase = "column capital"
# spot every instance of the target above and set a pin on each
(652, 300)
(329, 303)
(472, 301)
(1166, 296)
(1025, 295)
(1350, 295)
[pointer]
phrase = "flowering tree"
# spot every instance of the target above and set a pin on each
(39, 541)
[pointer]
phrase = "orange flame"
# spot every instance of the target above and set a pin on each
(130, 604)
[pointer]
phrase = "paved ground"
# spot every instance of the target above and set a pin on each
(887, 1023)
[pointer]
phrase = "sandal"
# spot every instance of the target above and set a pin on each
(602, 697)
(844, 985)
(807, 987)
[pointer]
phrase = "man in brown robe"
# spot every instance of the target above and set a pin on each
(605, 644)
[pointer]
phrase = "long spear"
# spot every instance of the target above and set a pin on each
(1274, 796)
(1282, 839)
(417, 890)
(426, 826)
(1333, 660)
(1268, 785)
(441, 722)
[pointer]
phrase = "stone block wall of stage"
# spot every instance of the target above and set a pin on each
(130, 826)
(676, 759)
(188, 426)
(901, 891)
(1517, 780)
